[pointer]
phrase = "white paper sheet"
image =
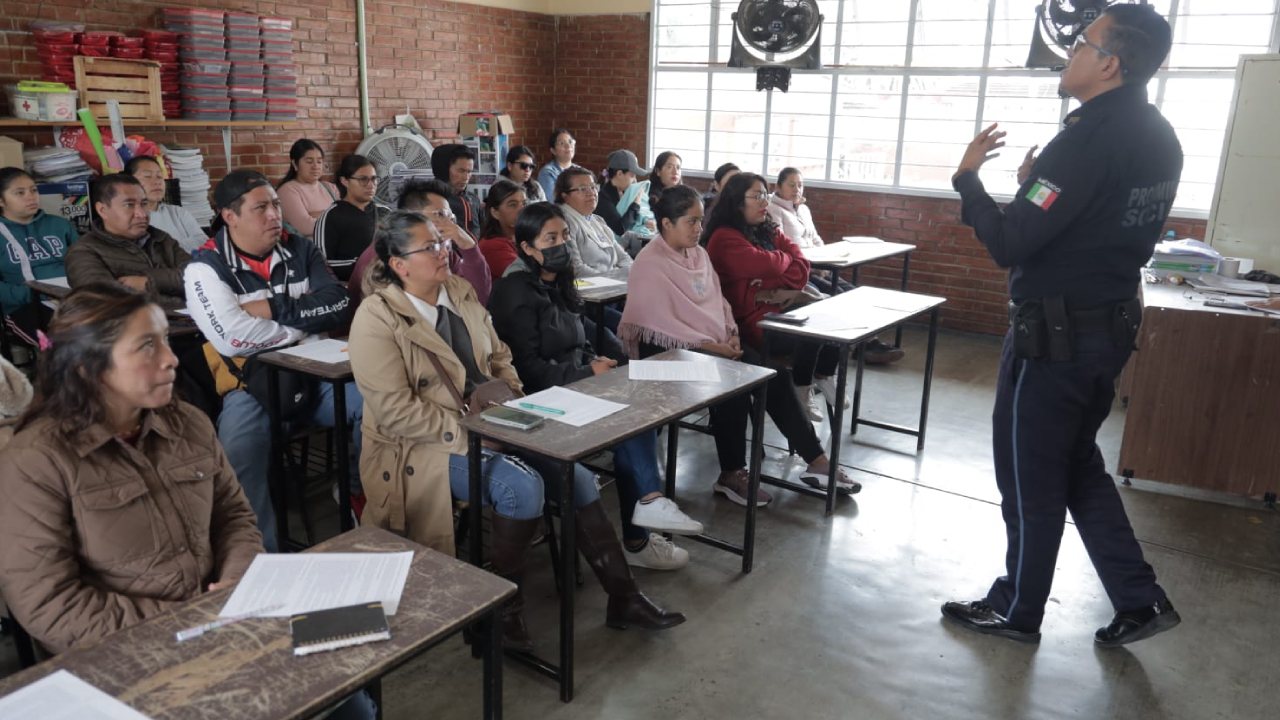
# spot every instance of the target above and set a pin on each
(59, 281)
(598, 282)
(579, 408)
(304, 582)
(63, 696)
(183, 312)
(862, 239)
(325, 351)
(674, 371)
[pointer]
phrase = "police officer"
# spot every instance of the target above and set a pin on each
(1086, 218)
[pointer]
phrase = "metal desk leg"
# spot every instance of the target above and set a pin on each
(488, 636)
(928, 377)
(753, 477)
(475, 501)
(277, 481)
(906, 272)
(853, 276)
(673, 442)
(833, 457)
(599, 313)
(568, 552)
(340, 440)
(857, 389)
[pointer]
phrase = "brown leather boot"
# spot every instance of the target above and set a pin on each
(511, 540)
(627, 605)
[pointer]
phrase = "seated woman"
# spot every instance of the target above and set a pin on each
(563, 146)
(345, 229)
(687, 310)
(498, 236)
(789, 210)
(415, 451)
(754, 258)
(624, 202)
(593, 248)
(723, 173)
(175, 220)
(35, 247)
(304, 196)
(665, 174)
(535, 309)
(519, 170)
(119, 502)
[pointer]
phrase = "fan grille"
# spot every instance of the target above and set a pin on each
(395, 151)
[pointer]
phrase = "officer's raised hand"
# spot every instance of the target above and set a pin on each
(981, 149)
(1024, 170)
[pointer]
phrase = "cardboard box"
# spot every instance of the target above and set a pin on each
(10, 152)
(485, 124)
(70, 200)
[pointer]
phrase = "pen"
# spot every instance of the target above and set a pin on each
(531, 406)
(197, 631)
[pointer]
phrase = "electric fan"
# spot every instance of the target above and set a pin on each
(397, 152)
(1058, 24)
(776, 36)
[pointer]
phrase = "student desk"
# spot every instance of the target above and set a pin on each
(180, 325)
(248, 670)
(846, 320)
(838, 256)
(338, 375)
(1203, 395)
(598, 297)
(650, 405)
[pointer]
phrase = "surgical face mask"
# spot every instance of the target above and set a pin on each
(555, 258)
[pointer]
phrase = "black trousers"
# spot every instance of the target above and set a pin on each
(1047, 463)
(808, 357)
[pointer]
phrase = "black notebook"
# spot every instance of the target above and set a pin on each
(338, 628)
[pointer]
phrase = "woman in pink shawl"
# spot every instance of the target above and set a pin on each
(684, 308)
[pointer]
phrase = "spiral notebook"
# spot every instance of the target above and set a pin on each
(324, 630)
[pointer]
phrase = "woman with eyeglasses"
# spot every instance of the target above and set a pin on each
(537, 311)
(686, 309)
(519, 170)
(562, 148)
(346, 228)
(758, 267)
(304, 196)
(593, 247)
(501, 208)
(175, 220)
(665, 174)
(415, 451)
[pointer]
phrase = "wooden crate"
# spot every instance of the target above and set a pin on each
(135, 84)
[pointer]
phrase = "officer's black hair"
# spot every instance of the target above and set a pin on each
(1140, 38)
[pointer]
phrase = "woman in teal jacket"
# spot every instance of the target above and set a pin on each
(35, 244)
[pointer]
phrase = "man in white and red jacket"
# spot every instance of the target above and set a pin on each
(251, 289)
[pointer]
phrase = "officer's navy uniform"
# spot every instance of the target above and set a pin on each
(1074, 238)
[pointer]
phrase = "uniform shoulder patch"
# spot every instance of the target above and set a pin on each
(1043, 194)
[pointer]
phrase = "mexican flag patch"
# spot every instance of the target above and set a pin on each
(1043, 194)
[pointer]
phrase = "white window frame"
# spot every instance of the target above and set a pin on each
(906, 72)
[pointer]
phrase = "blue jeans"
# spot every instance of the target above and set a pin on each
(636, 463)
(244, 430)
(356, 707)
(515, 486)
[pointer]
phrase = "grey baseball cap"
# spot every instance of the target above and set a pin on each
(625, 160)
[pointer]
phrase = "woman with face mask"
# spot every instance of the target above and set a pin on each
(537, 313)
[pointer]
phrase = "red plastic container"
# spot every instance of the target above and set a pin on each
(164, 57)
(128, 53)
(55, 37)
(98, 37)
(97, 50)
(238, 18)
(126, 41)
(162, 46)
(159, 36)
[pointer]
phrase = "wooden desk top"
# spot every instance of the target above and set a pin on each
(51, 289)
(315, 368)
(248, 669)
(606, 294)
(1186, 298)
(854, 316)
(841, 254)
(180, 324)
(649, 405)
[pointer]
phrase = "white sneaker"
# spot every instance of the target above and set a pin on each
(827, 387)
(663, 515)
(811, 405)
(657, 554)
(845, 485)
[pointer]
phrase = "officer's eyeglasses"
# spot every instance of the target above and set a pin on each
(1083, 42)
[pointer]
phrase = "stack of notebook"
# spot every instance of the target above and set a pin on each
(187, 165)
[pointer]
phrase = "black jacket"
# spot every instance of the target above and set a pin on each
(607, 208)
(1091, 211)
(343, 232)
(468, 212)
(548, 344)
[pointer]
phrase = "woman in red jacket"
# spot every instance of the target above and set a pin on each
(752, 255)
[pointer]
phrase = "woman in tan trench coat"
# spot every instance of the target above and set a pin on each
(415, 451)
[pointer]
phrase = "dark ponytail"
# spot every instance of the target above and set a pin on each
(300, 148)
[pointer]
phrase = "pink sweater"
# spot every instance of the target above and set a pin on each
(298, 201)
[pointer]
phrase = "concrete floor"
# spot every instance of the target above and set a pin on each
(839, 618)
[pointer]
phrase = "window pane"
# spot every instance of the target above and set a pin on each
(737, 118)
